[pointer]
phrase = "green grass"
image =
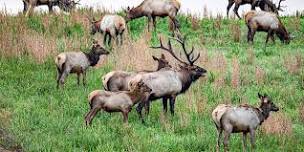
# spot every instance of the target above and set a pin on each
(46, 119)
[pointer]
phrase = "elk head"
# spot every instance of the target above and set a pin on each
(189, 66)
(94, 25)
(131, 13)
(98, 49)
(266, 104)
(162, 62)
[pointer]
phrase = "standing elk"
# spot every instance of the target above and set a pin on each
(119, 80)
(66, 5)
(156, 8)
(121, 101)
(77, 62)
(111, 26)
(266, 22)
(169, 83)
(243, 118)
(265, 5)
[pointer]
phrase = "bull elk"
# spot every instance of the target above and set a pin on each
(169, 83)
(155, 8)
(266, 22)
(66, 5)
(265, 5)
(241, 119)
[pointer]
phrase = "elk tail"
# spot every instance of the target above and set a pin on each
(60, 61)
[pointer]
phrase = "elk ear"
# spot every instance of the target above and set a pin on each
(128, 8)
(154, 58)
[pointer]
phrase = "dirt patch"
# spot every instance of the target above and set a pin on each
(277, 124)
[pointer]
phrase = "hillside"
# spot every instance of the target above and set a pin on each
(35, 116)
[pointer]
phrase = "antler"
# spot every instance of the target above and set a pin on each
(190, 57)
(169, 49)
(279, 6)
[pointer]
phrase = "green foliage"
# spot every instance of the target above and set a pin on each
(74, 30)
(35, 23)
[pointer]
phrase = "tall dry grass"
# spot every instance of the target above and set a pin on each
(277, 123)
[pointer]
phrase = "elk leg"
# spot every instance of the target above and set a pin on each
(64, 75)
(121, 38)
(125, 116)
(78, 78)
(29, 10)
(229, 6)
(110, 39)
(226, 140)
(84, 77)
(105, 38)
(252, 138)
(244, 141)
(147, 107)
(236, 8)
(139, 111)
(269, 33)
(165, 105)
(89, 117)
(149, 22)
(50, 6)
(154, 22)
(172, 102)
(219, 137)
(59, 73)
(25, 7)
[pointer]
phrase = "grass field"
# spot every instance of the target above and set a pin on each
(35, 116)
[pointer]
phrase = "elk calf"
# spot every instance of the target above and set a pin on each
(77, 62)
(122, 101)
(266, 22)
(244, 118)
(111, 26)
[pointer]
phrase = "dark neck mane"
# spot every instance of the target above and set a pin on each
(263, 114)
(93, 58)
(186, 80)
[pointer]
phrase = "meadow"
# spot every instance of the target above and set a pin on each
(35, 116)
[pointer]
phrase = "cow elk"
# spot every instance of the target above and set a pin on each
(266, 22)
(111, 26)
(65, 5)
(169, 83)
(121, 101)
(156, 8)
(241, 119)
(77, 62)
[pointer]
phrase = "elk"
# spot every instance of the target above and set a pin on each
(118, 80)
(111, 26)
(169, 83)
(265, 5)
(266, 22)
(155, 8)
(77, 62)
(241, 119)
(66, 5)
(121, 101)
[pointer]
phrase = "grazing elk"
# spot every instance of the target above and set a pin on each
(121, 101)
(66, 5)
(265, 5)
(77, 62)
(169, 83)
(119, 80)
(111, 26)
(243, 118)
(156, 8)
(266, 22)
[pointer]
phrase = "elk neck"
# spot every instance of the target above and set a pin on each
(136, 96)
(137, 12)
(92, 57)
(186, 79)
(263, 113)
